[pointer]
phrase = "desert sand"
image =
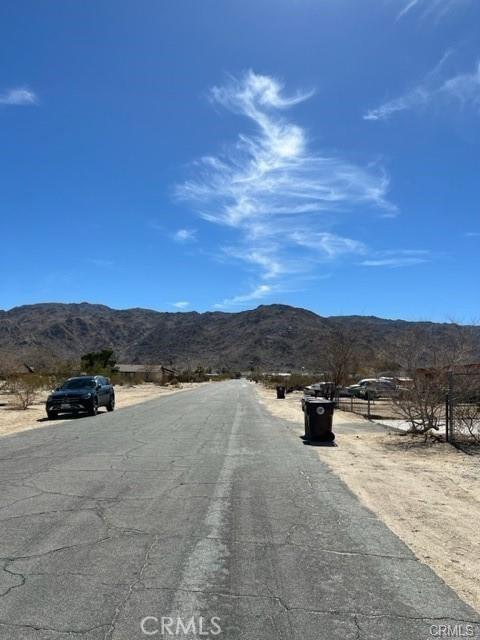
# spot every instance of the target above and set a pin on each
(428, 494)
(13, 420)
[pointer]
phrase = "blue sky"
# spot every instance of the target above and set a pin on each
(219, 155)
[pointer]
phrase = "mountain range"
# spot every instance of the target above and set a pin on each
(271, 337)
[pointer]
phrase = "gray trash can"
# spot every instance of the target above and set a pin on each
(318, 414)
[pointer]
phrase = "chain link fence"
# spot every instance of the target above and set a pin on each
(447, 404)
(463, 408)
(372, 409)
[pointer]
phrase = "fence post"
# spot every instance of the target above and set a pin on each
(351, 404)
(449, 419)
(368, 407)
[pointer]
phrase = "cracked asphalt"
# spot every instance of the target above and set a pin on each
(199, 504)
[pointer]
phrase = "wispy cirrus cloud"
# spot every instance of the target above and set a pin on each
(182, 304)
(329, 244)
(258, 293)
(18, 97)
(396, 259)
(270, 185)
(429, 8)
(407, 7)
(265, 258)
(461, 89)
(184, 236)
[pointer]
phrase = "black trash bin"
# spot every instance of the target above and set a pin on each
(280, 393)
(318, 420)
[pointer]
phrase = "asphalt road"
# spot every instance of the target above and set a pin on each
(199, 505)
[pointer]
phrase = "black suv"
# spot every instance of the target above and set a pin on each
(85, 393)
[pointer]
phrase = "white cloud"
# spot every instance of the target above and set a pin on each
(185, 235)
(273, 174)
(183, 304)
(18, 97)
(329, 244)
(259, 292)
(392, 262)
(407, 7)
(472, 234)
(415, 98)
(400, 258)
(462, 89)
(263, 257)
(270, 186)
(429, 8)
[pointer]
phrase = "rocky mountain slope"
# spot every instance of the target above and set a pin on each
(276, 336)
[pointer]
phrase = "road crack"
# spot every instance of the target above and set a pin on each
(131, 587)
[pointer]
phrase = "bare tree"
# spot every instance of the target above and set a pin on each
(340, 355)
(422, 401)
(426, 358)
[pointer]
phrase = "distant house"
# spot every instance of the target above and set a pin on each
(274, 374)
(147, 372)
(462, 369)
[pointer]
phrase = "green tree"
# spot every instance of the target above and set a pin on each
(99, 361)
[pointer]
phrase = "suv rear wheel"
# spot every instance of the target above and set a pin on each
(111, 403)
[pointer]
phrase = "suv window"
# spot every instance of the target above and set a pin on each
(79, 383)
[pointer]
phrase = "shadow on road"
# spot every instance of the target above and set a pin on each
(70, 416)
(313, 443)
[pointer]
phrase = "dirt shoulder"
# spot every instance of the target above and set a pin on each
(427, 494)
(13, 420)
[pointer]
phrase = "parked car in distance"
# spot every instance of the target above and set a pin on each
(372, 388)
(81, 394)
(320, 390)
(344, 392)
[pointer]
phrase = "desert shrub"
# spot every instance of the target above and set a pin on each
(61, 371)
(124, 379)
(25, 389)
(227, 375)
(195, 375)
